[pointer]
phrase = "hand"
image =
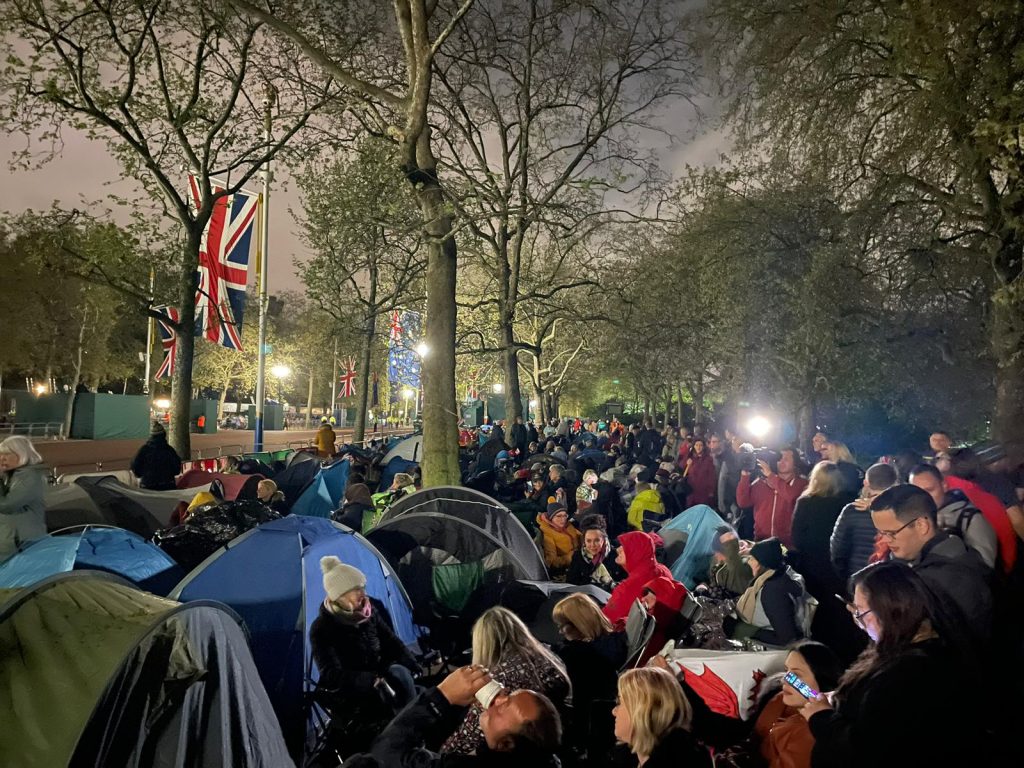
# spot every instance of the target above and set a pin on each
(745, 547)
(814, 706)
(461, 686)
(689, 462)
(765, 469)
(660, 662)
(863, 504)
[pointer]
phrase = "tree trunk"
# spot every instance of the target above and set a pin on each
(181, 382)
(1008, 348)
(309, 400)
(805, 423)
(220, 403)
(69, 412)
(679, 405)
(365, 356)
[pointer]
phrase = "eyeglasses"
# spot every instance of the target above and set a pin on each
(890, 535)
(858, 616)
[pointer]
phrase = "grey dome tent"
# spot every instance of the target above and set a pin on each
(104, 500)
(409, 448)
(142, 681)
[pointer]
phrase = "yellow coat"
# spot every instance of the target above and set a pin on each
(325, 438)
(559, 546)
(646, 501)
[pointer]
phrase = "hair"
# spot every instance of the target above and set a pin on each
(941, 432)
(799, 462)
(21, 447)
(580, 618)
(905, 462)
(358, 493)
(542, 735)
(907, 502)
(840, 452)
(963, 463)
(881, 477)
(825, 480)
(927, 469)
(822, 660)
(499, 633)
(558, 469)
(656, 705)
(266, 485)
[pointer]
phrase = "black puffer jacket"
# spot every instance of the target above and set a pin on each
(853, 541)
(156, 464)
(351, 657)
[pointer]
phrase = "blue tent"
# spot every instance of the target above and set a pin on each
(699, 524)
(392, 468)
(271, 577)
(324, 494)
(96, 548)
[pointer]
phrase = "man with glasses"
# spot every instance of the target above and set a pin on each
(905, 518)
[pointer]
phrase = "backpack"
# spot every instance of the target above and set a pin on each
(964, 516)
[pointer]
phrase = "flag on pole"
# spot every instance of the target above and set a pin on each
(348, 379)
(168, 340)
(471, 391)
(403, 362)
(224, 255)
(375, 397)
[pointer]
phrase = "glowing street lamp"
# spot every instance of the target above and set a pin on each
(498, 387)
(422, 349)
(759, 427)
(281, 371)
(162, 404)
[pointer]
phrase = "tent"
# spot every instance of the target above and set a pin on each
(93, 548)
(141, 681)
(534, 602)
(409, 448)
(193, 478)
(295, 478)
(271, 576)
(698, 523)
(232, 487)
(104, 500)
(324, 493)
(392, 468)
(480, 510)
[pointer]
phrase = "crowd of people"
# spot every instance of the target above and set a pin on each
(895, 590)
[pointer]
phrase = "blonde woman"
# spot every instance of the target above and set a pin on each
(22, 482)
(653, 717)
(503, 645)
(853, 475)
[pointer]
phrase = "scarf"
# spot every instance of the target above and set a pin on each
(747, 604)
(600, 575)
(360, 615)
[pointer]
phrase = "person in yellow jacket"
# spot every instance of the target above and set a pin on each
(559, 539)
(325, 439)
(647, 508)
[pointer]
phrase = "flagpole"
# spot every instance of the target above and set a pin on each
(334, 376)
(149, 336)
(261, 368)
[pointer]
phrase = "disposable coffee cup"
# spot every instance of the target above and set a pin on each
(488, 693)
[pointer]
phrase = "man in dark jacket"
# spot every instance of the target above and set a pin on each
(156, 464)
(905, 516)
(853, 538)
(520, 728)
(648, 445)
(519, 436)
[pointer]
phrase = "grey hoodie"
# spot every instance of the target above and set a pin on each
(22, 511)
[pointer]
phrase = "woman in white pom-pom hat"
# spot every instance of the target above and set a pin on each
(366, 673)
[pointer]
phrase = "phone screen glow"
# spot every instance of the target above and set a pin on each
(801, 687)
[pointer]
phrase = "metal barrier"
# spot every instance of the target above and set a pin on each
(233, 449)
(49, 430)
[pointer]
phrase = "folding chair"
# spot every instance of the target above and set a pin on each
(639, 631)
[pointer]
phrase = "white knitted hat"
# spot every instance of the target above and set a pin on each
(340, 578)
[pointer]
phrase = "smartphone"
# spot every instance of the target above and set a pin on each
(801, 687)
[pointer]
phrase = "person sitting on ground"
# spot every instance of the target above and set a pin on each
(559, 538)
(366, 673)
(267, 492)
(23, 481)
(157, 463)
(767, 610)
(357, 502)
(652, 717)
(908, 675)
(591, 562)
(403, 484)
(663, 598)
(635, 555)
(853, 539)
(325, 439)
(729, 572)
(515, 658)
(520, 728)
(647, 510)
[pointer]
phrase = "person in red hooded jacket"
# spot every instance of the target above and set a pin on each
(636, 555)
(663, 597)
(773, 496)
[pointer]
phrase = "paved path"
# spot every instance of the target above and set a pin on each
(70, 456)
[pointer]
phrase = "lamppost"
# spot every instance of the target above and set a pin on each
(406, 394)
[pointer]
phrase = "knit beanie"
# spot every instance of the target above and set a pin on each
(554, 507)
(768, 553)
(340, 578)
(156, 428)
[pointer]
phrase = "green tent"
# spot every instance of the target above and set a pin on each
(94, 672)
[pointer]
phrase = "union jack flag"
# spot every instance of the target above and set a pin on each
(224, 265)
(348, 379)
(168, 340)
(396, 326)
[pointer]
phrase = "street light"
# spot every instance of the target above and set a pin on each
(422, 349)
(40, 389)
(497, 388)
(406, 394)
(281, 371)
(162, 404)
(759, 427)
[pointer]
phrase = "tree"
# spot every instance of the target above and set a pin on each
(358, 221)
(170, 86)
(912, 105)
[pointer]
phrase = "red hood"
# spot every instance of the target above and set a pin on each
(639, 549)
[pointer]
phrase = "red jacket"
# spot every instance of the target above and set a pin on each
(994, 512)
(773, 501)
(642, 569)
(703, 481)
(670, 596)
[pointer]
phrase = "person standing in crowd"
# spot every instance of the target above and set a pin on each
(940, 442)
(22, 483)
(853, 476)
(157, 463)
(560, 539)
(653, 718)
(648, 444)
(773, 496)
(700, 474)
(909, 675)
(956, 514)
(515, 658)
(635, 555)
(586, 493)
(519, 436)
(964, 469)
(325, 439)
(818, 443)
(853, 539)
(905, 517)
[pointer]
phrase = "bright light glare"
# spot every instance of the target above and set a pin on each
(40, 389)
(281, 371)
(162, 404)
(406, 393)
(497, 388)
(422, 349)
(533, 403)
(759, 427)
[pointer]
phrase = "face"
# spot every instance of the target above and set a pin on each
(698, 447)
(931, 485)
(538, 483)
(864, 616)
(351, 599)
(715, 444)
(505, 717)
(593, 542)
(560, 519)
(826, 451)
(905, 541)
(818, 441)
(553, 475)
(755, 567)
(797, 664)
(786, 463)
(623, 723)
(940, 443)
(620, 556)
(9, 461)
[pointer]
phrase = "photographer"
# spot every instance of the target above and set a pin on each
(773, 494)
